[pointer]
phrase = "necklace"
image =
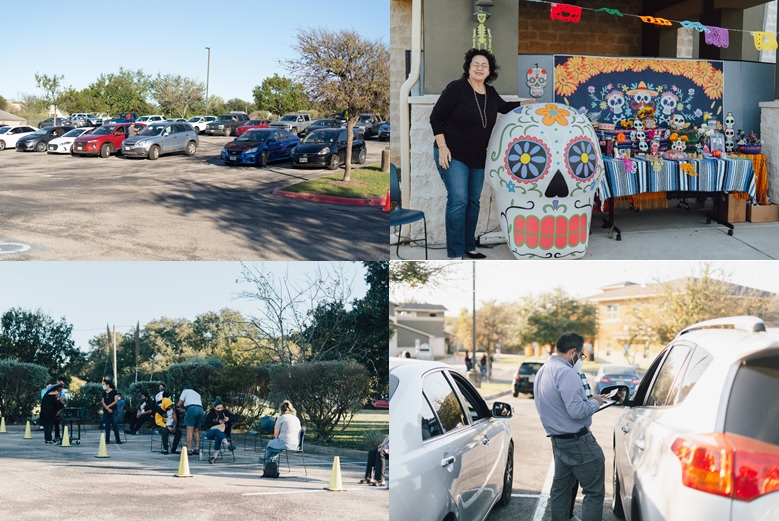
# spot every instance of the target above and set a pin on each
(482, 113)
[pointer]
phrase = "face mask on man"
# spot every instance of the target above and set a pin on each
(579, 363)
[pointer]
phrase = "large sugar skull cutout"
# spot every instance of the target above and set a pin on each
(615, 101)
(677, 122)
(544, 163)
(536, 80)
(642, 96)
(668, 102)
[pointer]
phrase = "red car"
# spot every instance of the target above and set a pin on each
(252, 123)
(379, 403)
(103, 141)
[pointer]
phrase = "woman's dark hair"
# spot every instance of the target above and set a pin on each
(490, 58)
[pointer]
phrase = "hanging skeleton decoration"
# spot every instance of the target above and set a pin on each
(730, 134)
(482, 36)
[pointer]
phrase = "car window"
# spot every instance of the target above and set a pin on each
(699, 362)
(476, 407)
(430, 425)
(753, 410)
(443, 400)
(529, 368)
(672, 365)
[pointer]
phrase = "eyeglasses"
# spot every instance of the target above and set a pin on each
(480, 66)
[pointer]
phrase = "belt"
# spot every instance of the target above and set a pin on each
(582, 432)
(195, 405)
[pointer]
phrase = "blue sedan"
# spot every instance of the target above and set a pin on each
(259, 146)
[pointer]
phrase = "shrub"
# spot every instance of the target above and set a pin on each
(20, 389)
(197, 373)
(373, 438)
(244, 390)
(325, 393)
(133, 395)
(89, 396)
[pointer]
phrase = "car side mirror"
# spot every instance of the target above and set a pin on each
(618, 394)
(502, 410)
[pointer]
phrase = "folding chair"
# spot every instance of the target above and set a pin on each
(299, 450)
(154, 434)
(266, 427)
(120, 424)
(205, 448)
(400, 216)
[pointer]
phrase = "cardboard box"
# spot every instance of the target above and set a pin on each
(763, 214)
(731, 208)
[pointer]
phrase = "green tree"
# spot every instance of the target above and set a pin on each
(176, 94)
(126, 90)
(20, 385)
(371, 324)
(3, 103)
(343, 71)
(52, 88)
(280, 95)
(33, 108)
(554, 313)
(81, 101)
(239, 105)
(418, 274)
(494, 323)
(34, 337)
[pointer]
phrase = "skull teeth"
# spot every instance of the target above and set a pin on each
(550, 231)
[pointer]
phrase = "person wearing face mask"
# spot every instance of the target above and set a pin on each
(566, 414)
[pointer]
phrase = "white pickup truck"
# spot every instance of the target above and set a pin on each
(294, 122)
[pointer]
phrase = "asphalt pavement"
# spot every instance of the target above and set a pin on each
(45, 482)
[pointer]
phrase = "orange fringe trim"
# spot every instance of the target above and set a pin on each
(760, 164)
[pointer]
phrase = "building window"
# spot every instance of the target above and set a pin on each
(612, 312)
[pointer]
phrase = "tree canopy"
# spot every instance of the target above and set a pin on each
(176, 94)
(280, 95)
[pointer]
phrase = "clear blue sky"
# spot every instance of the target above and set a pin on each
(92, 294)
(247, 38)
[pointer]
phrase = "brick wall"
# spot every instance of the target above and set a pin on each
(597, 34)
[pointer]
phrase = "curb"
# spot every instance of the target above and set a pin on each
(331, 199)
(493, 396)
(336, 451)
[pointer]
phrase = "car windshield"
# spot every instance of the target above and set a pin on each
(3, 130)
(194, 119)
(323, 122)
(365, 119)
(290, 117)
(41, 132)
(253, 122)
(530, 368)
(253, 136)
(104, 130)
(225, 118)
(322, 136)
(74, 133)
(153, 130)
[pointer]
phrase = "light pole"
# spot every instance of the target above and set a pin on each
(208, 74)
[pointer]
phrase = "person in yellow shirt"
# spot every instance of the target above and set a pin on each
(167, 424)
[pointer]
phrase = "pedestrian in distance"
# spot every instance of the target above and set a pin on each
(217, 423)
(193, 417)
(566, 414)
(110, 413)
(166, 420)
(50, 409)
(483, 366)
(462, 121)
(468, 362)
(376, 458)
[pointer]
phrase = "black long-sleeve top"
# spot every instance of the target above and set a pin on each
(456, 116)
(50, 405)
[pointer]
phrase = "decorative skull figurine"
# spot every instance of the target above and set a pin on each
(643, 146)
(677, 122)
(679, 145)
(638, 125)
(616, 101)
(544, 163)
(536, 80)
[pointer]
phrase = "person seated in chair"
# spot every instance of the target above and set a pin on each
(376, 459)
(217, 424)
(144, 413)
(167, 424)
(285, 432)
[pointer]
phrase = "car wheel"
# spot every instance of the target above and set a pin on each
(362, 156)
(508, 479)
(191, 148)
(2, 144)
(154, 152)
(616, 500)
(334, 162)
(516, 394)
(40, 147)
(227, 131)
(262, 159)
(105, 150)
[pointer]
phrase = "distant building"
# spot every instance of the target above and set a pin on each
(415, 325)
(6, 118)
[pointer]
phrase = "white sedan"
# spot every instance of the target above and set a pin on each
(453, 455)
(63, 144)
(11, 134)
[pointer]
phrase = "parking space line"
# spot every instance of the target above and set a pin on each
(299, 492)
(544, 497)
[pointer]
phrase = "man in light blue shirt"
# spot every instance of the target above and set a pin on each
(566, 414)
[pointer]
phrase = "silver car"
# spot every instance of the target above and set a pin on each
(453, 456)
(162, 138)
(700, 438)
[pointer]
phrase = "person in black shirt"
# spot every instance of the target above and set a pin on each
(110, 399)
(144, 414)
(50, 407)
(462, 122)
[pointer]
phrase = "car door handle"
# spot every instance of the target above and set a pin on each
(640, 444)
(447, 461)
(625, 429)
(485, 440)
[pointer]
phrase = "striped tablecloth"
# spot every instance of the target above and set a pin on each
(713, 175)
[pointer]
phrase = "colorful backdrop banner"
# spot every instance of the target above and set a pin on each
(610, 90)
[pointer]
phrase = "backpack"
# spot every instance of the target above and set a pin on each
(271, 469)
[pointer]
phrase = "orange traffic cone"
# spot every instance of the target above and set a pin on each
(336, 484)
(387, 206)
(183, 465)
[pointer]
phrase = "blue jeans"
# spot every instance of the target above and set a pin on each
(218, 437)
(463, 191)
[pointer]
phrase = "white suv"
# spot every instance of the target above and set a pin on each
(700, 438)
(148, 120)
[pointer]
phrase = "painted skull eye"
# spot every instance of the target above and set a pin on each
(527, 159)
(581, 159)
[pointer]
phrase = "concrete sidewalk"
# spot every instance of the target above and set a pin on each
(666, 233)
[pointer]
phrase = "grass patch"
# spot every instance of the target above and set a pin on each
(365, 425)
(493, 387)
(366, 183)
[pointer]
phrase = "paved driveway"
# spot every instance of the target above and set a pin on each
(56, 207)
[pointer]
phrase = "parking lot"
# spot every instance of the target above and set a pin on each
(58, 207)
(51, 482)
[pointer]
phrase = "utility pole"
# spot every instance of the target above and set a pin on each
(208, 75)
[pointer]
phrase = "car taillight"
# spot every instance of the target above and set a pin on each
(605, 380)
(635, 381)
(728, 465)
(516, 378)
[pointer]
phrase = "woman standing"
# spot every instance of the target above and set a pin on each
(462, 122)
(50, 408)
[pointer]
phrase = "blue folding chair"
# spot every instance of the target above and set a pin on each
(400, 216)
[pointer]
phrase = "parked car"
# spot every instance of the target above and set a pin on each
(259, 146)
(122, 117)
(294, 122)
(617, 375)
(148, 120)
(379, 403)
(252, 123)
(162, 138)
(63, 144)
(38, 141)
(50, 122)
(199, 122)
(700, 438)
(453, 456)
(384, 131)
(526, 376)
(319, 124)
(368, 124)
(103, 141)
(10, 134)
(328, 148)
(227, 123)
(177, 120)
